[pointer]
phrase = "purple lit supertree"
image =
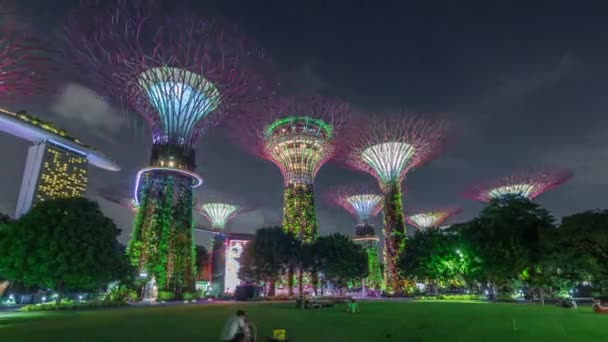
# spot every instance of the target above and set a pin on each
(430, 218)
(363, 203)
(23, 63)
(218, 214)
(182, 74)
(528, 184)
(388, 149)
(298, 135)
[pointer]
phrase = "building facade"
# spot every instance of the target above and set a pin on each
(52, 170)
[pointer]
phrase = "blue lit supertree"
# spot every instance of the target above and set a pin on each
(182, 74)
(363, 203)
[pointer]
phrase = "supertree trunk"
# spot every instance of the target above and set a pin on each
(299, 216)
(374, 279)
(394, 234)
(218, 263)
(161, 241)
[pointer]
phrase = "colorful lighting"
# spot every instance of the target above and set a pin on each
(218, 214)
(431, 218)
(196, 179)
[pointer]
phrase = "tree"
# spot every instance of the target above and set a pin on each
(340, 259)
(583, 241)
(5, 219)
(62, 244)
(267, 257)
(434, 257)
(508, 237)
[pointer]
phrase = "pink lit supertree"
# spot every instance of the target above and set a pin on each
(388, 149)
(24, 63)
(298, 135)
(528, 184)
(363, 202)
(430, 218)
(182, 74)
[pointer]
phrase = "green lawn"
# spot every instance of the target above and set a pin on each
(378, 321)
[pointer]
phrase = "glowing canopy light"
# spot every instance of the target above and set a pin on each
(181, 99)
(218, 214)
(388, 159)
(299, 146)
(366, 205)
(527, 184)
(431, 218)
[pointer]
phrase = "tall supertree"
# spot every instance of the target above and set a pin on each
(388, 149)
(24, 64)
(218, 214)
(298, 135)
(180, 73)
(430, 218)
(363, 203)
(528, 184)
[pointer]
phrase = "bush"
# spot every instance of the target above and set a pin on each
(72, 306)
(123, 294)
(165, 295)
(191, 296)
(451, 297)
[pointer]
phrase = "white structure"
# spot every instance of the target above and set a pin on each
(234, 249)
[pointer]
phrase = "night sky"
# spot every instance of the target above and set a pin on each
(525, 86)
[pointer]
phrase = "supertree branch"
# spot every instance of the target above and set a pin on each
(528, 184)
(24, 65)
(361, 201)
(218, 214)
(431, 218)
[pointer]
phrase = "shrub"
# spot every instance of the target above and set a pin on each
(123, 294)
(451, 297)
(191, 296)
(166, 295)
(72, 306)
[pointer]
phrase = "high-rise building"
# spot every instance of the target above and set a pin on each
(52, 170)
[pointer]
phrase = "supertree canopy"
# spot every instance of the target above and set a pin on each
(218, 214)
(299, 136)
(182, 74)
(431, 218)
(23, 64)
(363, 203)
(527, 184)
(388, 149)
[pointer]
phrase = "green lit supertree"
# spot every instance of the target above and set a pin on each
(299, 136)
(363, 203)
(182, 74)
(388, 149)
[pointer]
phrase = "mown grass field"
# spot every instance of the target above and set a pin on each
(377, 321)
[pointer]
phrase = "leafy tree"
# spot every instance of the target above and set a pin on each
(267, 257)
(434, 256)
(508, 237)
(583, 242)
(340, 259)
(62, 244)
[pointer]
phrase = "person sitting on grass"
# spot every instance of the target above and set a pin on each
(237, 328)
(352, 306)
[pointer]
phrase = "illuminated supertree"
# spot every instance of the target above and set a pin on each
(363, 203)
(218, 214)
(388, 149)
(182, 74)
(299, 136)
(23, 64)
(528, 184)
(430, 218)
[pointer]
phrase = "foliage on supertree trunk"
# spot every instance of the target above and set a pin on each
(394, 234)
(374, 279)
(299, 216)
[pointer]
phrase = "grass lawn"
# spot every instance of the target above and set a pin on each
(377, 321)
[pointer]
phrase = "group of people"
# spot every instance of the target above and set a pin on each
(239, 328)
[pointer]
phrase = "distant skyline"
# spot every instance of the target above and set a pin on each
(524, 85)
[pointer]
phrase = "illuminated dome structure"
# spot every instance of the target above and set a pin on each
(363, 203)
(299, 136)
(527, 184)
(218, 214)
(388, 149)
(430, 218)
(182, 74)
